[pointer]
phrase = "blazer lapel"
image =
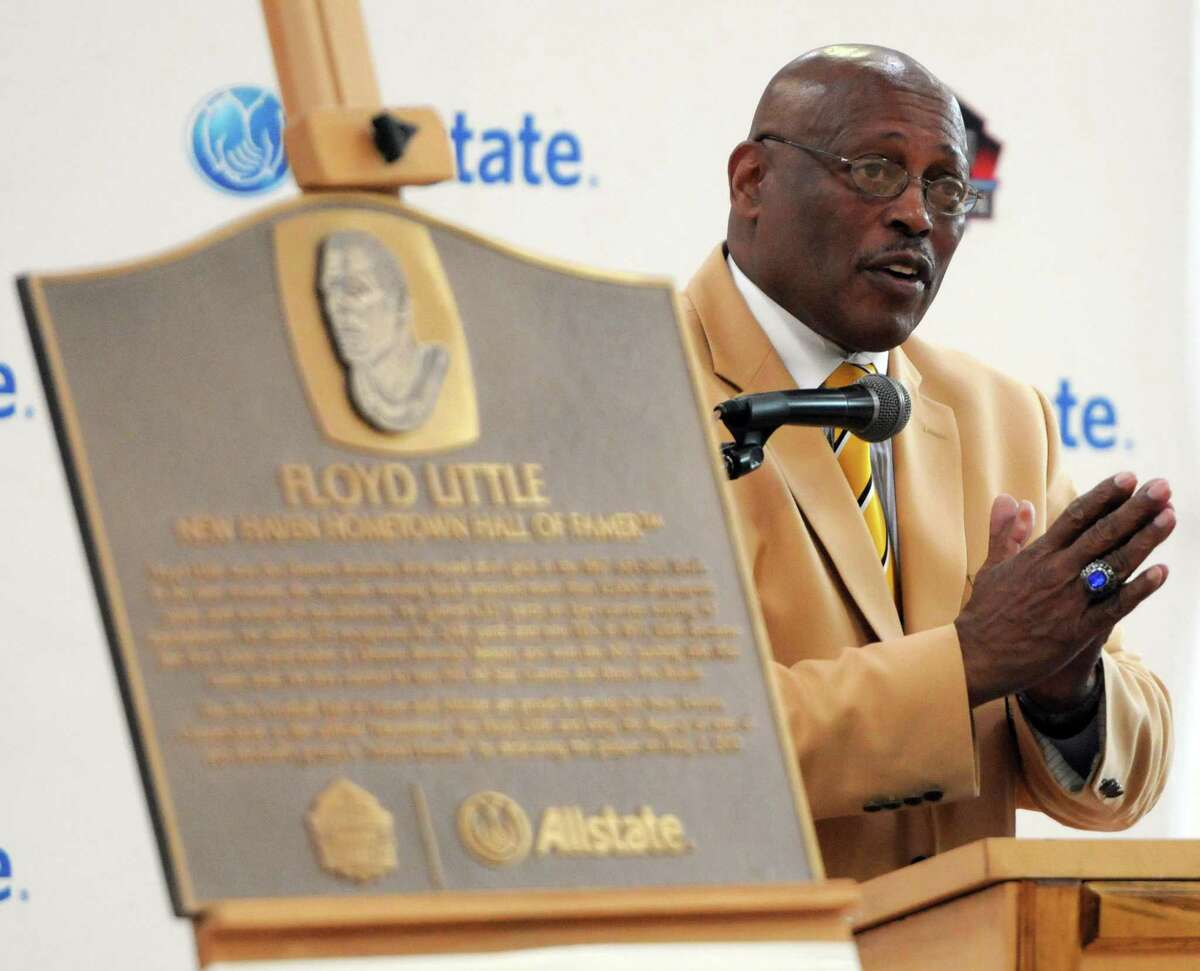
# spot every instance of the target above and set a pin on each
(929, 507)
(743, 357)
(819, 487)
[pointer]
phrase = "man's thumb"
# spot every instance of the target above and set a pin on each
(1001, 542)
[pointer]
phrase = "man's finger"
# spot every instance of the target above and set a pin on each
(1123, 602)
(1022, 527)
(1089, 507)
(1114, 530)
(1129, 557)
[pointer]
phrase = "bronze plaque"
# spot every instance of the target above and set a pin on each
(417, 566)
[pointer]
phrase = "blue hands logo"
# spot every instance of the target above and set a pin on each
(7, 892)
(237, 139)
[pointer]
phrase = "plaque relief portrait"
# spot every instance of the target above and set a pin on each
(392, 378)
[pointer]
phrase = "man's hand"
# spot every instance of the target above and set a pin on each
(1030, 624)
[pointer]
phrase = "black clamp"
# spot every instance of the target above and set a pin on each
(745, 453)
(744, 456)
(392, 135)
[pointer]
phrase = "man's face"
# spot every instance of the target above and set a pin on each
(821, 247)
(361, 312)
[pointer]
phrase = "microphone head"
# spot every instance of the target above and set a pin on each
(893, 411)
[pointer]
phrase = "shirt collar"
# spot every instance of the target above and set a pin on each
(808, 357)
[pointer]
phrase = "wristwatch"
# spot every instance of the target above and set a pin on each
(1064, 724)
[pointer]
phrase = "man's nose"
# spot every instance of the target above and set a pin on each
(909, 212)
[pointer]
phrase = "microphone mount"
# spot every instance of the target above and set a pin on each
(745, 453)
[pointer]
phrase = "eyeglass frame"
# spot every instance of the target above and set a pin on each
(972, 195)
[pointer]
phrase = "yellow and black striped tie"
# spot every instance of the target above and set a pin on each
(854, 456)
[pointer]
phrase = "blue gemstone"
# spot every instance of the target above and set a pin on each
(1097, 579)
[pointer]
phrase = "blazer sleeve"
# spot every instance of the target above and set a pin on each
(1136, 731)
(884, 725)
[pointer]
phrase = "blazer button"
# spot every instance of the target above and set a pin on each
(1111, 788)
(932, 795)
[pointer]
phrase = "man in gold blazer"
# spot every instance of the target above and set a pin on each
(944, 636)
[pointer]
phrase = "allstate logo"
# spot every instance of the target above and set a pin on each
(237, 139)
(494, 828)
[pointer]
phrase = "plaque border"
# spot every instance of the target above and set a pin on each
(111, 602)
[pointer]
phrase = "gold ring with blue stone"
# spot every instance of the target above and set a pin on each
(1099, 578)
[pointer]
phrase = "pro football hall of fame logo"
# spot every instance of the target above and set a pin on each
(352, 834)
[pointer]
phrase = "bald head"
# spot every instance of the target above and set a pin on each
(806, 96)
(858, 268)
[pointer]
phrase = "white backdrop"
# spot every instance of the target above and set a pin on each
(1083, 277)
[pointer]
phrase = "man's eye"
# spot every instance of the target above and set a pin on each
(947, 191)
(877, 169)
(877, 176)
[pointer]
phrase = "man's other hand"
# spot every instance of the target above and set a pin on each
(1031, 624)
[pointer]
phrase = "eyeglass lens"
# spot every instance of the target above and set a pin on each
(883, 177)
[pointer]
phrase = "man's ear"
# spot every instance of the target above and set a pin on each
(746, 170)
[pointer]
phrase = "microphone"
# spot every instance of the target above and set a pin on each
(874, 408)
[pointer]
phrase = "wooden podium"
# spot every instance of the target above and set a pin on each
(1038, 905)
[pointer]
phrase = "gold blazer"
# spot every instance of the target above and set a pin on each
(896, 765)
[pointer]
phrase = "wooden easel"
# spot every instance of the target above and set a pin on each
(331, 98)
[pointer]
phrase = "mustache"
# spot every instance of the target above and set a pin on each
(923, 252)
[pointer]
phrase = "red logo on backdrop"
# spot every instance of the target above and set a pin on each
(984, 152)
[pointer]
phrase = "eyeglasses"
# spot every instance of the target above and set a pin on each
(875, 175)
